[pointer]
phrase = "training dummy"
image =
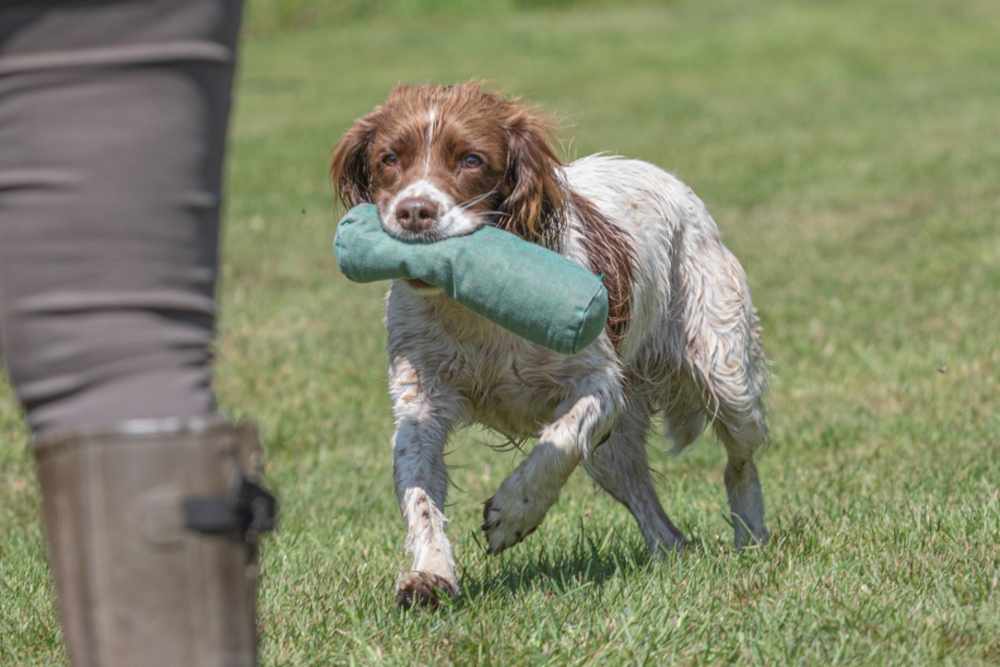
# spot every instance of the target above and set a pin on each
(525, 288)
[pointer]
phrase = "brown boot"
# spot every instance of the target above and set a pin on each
(152, 531)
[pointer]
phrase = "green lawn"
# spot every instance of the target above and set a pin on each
(851, 153)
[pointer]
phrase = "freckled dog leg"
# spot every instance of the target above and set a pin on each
(621, 468)
(423, 423)
(522, 500)
(421, 487)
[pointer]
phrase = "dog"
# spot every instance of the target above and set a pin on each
(682, 339)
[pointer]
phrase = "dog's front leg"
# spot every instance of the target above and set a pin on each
(522, 500)
(423, 422)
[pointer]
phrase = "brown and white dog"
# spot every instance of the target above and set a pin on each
(682, 339)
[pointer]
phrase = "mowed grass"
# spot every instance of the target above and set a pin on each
(850, 153)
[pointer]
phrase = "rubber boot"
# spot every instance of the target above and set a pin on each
(152, 533)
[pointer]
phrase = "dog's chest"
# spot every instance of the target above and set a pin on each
(514, 389)
(505, 382)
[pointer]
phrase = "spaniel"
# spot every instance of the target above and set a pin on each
(682, 339)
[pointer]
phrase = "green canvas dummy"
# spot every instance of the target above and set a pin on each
(525, 288)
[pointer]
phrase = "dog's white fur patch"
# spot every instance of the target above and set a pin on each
(453, 220)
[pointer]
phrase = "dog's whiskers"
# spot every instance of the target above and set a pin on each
(464, 206)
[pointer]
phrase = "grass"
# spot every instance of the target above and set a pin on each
(849, 151)
(265, 17)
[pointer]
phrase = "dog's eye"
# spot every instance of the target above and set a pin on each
(389, 159)
(471, 161)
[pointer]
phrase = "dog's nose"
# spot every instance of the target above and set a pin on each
(416, 214)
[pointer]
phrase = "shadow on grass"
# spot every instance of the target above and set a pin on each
(555, 569)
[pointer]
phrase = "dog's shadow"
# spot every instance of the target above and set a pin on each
(559, 570)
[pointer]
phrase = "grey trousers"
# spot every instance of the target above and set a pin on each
(113, 119)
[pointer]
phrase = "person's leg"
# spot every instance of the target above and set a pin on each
(113, 119)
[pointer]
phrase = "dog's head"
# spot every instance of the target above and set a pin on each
(443, 161)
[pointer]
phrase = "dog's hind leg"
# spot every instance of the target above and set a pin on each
(423, 423)
(621, 468)
(743, 489)
(726, 361)
(522, 500)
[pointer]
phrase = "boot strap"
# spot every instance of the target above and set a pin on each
(244, 513)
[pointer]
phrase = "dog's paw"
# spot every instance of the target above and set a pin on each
(423, 589)
(508, 521)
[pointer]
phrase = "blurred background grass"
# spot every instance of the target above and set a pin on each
(848, 151)
(266, 16)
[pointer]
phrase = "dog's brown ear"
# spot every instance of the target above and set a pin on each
(349, 164)
(534, 196)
